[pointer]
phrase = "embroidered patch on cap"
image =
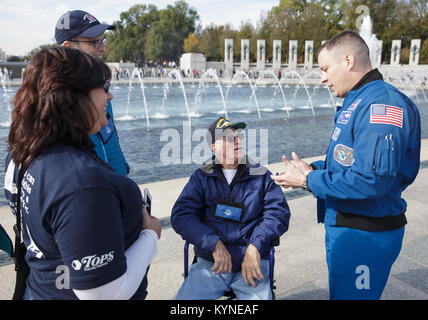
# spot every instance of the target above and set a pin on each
(222, 123)
(383, 114)
(90, 18)
(344, 155)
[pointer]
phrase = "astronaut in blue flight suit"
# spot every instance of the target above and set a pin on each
(372, 157)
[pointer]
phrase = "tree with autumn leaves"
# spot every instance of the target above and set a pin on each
(146, 33)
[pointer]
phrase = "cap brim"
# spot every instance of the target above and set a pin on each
(97, 30)
(239, 125)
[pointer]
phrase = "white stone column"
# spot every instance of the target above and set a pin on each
(415, 49)
(309, 54)
(245, 55)
(292, 55)
(277, 49)
(395, 52)
(378, 55)
(228, 57)
(261, 55)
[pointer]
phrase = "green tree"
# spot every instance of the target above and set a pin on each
(246, 31)
(292, 20)
(419, 23)
(14, 59)
(166, 37)
(192, 43)
(312, 26)
(36, 50)
(230, 33)
(423, 56)
(162, 43)
(211, 42)
(128, 41)
(144, 32)
(334, 12)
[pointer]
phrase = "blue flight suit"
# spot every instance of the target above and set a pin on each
(372, 157)
(107, 145)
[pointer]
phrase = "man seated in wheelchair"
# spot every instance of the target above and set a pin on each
(231, 211)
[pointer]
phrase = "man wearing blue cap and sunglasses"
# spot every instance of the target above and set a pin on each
(81, 30)
(231, 211)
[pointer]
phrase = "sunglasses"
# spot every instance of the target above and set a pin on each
(107, 86)
(231, 138)
(96, 43)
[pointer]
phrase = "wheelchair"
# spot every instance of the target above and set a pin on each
(230, 295)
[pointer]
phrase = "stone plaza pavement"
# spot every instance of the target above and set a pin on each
(300, 269)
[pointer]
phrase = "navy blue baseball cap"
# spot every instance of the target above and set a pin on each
(217, 129)
(78, 23)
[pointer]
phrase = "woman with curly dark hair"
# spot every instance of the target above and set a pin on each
(86, 231)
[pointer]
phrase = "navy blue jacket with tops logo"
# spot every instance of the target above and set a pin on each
(78, 219)
(265, 215)
(372, 157)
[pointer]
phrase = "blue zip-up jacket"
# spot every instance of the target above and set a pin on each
(373, 154)
(265, 217)
(107, 145)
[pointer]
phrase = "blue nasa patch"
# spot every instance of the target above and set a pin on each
(344, 117)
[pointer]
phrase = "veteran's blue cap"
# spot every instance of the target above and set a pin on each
(218, 127)
(78, 23)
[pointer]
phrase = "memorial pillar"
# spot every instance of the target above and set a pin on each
(292, 55)
(228, 57)
(415, 49)
(309, 54)
(261, 55)
(395, 52)
(245, 55)
(277, 49)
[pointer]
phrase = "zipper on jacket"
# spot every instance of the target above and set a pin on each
(374, 155)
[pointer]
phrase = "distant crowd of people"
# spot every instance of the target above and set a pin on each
(152, 70)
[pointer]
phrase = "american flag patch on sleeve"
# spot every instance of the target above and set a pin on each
(381, 113)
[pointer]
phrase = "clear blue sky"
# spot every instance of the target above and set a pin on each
(26, 24)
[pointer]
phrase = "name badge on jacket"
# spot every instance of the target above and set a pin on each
(229, 210)
(107, 132)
